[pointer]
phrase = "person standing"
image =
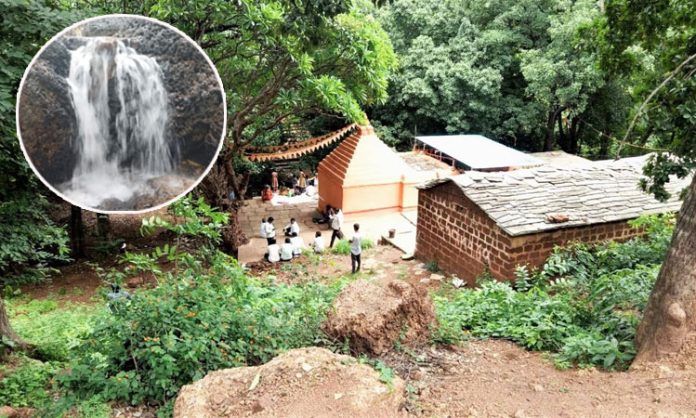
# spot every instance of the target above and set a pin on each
(355, 249)
(336, 217)
(274, 181)
(303, 182)
(270, 231)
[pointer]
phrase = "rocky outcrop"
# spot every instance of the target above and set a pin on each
(46, 118)
(374, 315)
(306, 382)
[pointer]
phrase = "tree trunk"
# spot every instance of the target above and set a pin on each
(669, 322)
(77, 233)
(7, 332)
(548, 145)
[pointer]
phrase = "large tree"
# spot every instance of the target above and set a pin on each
(664, 31)
(523, 72)
(279, 61)
(29, 240)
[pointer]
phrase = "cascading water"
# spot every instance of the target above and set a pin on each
(121, 107)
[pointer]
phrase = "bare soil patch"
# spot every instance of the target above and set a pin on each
(499, 379)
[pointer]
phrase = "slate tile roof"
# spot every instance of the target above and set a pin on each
(520, 201)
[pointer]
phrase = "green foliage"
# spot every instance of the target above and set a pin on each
(30, 241)
(342, 247)
(651, 44)
(54, 331)
(26, 384)
(171, 335)
(205, 315)
(432, 266)
(584, 304)
(504, 69)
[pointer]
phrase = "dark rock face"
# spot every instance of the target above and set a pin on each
(46, 117)
(48, 123)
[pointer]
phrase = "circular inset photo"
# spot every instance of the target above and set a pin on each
(121, 113)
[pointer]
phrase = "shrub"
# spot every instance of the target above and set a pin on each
(584, 304)
(191, 324)
(26, 385)
(53, 330)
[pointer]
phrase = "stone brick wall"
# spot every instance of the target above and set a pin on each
(463, 240)
(255, 209)
(458, 235)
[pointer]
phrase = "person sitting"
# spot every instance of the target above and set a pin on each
(297, 245)
(273, 254)
(292, 229)
(286, 250)
(267, 194)
(325, 216)
(262, 230)
(318, 243)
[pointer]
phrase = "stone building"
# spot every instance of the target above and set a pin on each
(495, 221)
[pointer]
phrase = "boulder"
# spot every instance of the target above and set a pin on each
(374, 315)
(306, 382)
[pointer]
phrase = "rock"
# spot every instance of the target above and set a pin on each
(373, 315)
(437, 277)
(520, 414)
(336, 386)
(10, 412)
(537, 388)
(457, 282)
(425, 281)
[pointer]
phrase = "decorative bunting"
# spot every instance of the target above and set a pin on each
(297, 149)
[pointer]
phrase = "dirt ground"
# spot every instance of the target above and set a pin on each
(494, 378)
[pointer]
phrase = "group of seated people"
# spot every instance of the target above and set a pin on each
(293, 245)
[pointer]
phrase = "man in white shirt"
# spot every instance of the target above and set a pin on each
(262, 230)
(297, 245)
(270, 231)
(273, 253)
(318, 243)
(355, 249)
(293, 229)
(336, 217)
(286, 251)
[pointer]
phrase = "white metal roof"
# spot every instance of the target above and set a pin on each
(478, 152)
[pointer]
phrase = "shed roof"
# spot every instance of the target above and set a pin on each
(605, 191)
(478, 152)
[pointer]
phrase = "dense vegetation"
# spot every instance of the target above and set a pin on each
(584, 304)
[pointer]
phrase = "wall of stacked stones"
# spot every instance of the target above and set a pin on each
(463, 240)
(251, 214)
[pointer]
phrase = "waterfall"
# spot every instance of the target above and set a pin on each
(121, 107)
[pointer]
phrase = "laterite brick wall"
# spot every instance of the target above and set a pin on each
(458, 235)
